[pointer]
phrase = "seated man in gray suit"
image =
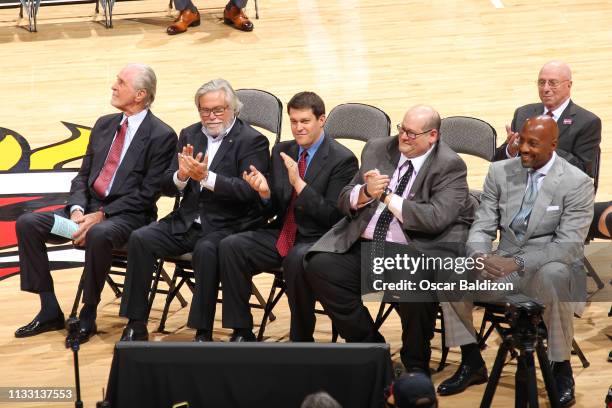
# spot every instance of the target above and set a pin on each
(411, 190)
(579, 129)
(542, 206)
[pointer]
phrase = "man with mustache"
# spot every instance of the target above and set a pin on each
(543, 207)
(216, 202)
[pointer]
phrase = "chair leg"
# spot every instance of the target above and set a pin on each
(576, 348)
(334, 333)
(272, 301)
(169, 297)
(593, 274)
(256, 10)
(444, 348)
(113, 286)
(77, 298)
(154, 284)
(171, 287)
(262, 301)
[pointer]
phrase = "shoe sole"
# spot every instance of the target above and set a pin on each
(193, 24)
(231, 23)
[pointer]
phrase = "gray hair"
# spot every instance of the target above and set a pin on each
(146, 80)
(320, 399)
(220, 84)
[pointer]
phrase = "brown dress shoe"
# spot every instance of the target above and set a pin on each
(235, 17)
(187, 18)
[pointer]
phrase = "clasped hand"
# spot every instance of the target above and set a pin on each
(190, 166)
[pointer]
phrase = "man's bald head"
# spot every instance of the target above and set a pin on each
(418, 131)
(538, 141)
(554, 84)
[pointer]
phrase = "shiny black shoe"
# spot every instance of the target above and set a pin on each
(134, 334)
(203, 336)
(82, 336)
(463, 378)
(565, 390)
(36, 326)
(242, 336)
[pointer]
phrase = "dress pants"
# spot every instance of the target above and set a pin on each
(34, 230)
(155, 241)
(243, 255)
(336, 281)
(182, 4)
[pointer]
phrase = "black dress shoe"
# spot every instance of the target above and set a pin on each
(463, 378)
(203, 336)
(242, 336)
(36, 326)
(82, 336)
(134, 334)
(565, 390)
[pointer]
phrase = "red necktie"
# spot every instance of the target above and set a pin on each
(286, 238)
(549, 113)
(112, 162)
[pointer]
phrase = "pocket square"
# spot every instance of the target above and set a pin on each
(552, 208)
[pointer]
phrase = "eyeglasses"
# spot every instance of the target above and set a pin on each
(402, 130)
(553, 83)
(217, 110)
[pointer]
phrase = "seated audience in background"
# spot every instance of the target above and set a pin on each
(543, 207)
(189, 16)
(114, 192)
(579, 129)
(216, 202)
(301, 192)
(410, 190)
(412, 390)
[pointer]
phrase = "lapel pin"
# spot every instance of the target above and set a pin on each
(567, 121)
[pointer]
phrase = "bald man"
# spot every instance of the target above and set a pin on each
(410, 193)
(543, 207)
(579, 129)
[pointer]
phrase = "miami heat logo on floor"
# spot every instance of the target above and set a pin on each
(36, 180)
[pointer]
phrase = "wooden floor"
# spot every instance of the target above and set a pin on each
(463, 57)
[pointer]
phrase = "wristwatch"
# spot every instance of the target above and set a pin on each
(384, 194)
(520, 262)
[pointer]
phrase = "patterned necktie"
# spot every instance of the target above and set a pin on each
(521, 219)
(549, 113)
(286, 238)
(112, 162)
(384, 220)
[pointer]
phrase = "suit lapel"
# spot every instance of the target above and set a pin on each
(317, 162)
(226, 143)
(566, 119)
(544, 197)
(516, 184)
(107, 139)
(287, 187)
(388, 164)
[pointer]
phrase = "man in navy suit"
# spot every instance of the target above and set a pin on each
(579, 129)
(207, 170)
(114, 192)
(307, 176)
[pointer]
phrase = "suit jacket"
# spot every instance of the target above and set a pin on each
(579, 134)
(438, 209)
(558, 224)
(233, 205)
(316, 211)
(136, 186)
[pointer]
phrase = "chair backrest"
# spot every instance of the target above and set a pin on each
(469, 135)
(261, 109)
(357, 121)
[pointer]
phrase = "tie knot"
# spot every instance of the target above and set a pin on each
(549, 113)
(535, 175)
(304, 154)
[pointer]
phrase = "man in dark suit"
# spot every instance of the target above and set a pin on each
(302, 190)
(579, 129)
(114, 192)
(217, 202)
(411, 190)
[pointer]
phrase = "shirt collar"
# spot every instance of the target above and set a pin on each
(136, 119)
(312, 149)
(417, 162)
(557, 112)
(222, 135)
(546, 168)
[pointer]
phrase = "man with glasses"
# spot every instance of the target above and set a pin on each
(216, 202)
(411, 191)
(579, 129)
